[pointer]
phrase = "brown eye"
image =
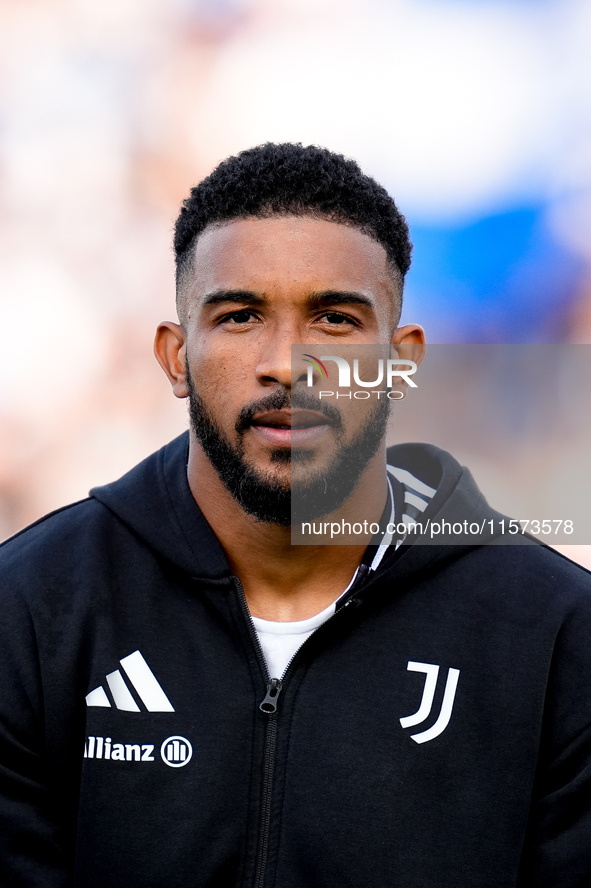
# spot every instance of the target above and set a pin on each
(335, 317)
(240, 317)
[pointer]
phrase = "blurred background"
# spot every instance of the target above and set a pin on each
(475, 114)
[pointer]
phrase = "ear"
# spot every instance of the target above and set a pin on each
(170, 349)
(408, 343)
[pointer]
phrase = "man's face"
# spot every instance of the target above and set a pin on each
(259, 286)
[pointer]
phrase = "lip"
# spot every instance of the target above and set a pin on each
(290, 428)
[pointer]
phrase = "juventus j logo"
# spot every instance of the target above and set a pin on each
(431, 671)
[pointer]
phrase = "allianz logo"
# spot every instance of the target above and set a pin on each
(175, 751)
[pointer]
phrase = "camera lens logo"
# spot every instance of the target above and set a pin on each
(176, 752)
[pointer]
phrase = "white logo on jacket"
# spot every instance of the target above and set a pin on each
(142, 680)
(176, 751)
(431, 671)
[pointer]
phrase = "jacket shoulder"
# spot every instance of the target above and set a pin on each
(539, 568)
(54, 542)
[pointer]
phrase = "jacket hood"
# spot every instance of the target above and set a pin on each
(154, 500)
(457, 500)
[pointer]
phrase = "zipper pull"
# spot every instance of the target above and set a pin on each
(269, 704)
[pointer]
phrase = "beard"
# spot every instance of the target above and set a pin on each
(311, 493)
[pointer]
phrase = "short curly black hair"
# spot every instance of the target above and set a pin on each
(290, 179)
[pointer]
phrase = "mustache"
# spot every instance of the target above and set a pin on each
(280, 400)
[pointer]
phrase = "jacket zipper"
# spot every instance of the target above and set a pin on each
(267, 787)
(268, 705)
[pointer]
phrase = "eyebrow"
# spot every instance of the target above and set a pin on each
(339, 297)
(317, 299)
(241, 296)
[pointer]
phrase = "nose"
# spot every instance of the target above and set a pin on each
(276, 364)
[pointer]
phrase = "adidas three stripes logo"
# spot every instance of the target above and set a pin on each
(142, 680)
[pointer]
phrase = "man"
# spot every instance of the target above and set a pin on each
(189, 699)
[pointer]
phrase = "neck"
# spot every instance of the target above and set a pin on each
(283, 581)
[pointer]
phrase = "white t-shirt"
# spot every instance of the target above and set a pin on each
(280, 641)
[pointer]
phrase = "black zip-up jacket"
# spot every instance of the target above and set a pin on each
(134, 752)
